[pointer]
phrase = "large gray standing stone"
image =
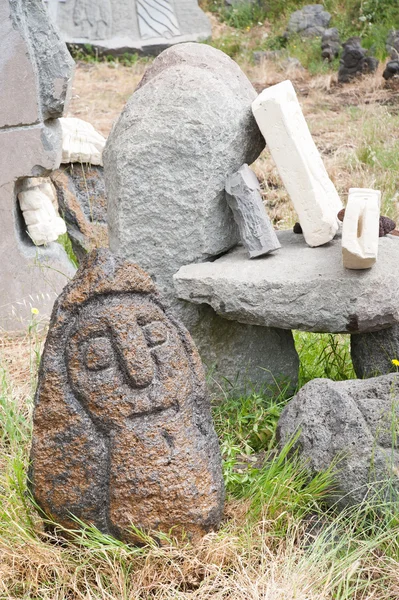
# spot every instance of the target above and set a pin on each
(372, 353)
(244, 199)
(186, 128)
(35, 72)
(352, 424)
(118, 26)
(309, 21)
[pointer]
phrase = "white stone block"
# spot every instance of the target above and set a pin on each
(81, 142)
(38, 202)
(360, 228)
(316, 201)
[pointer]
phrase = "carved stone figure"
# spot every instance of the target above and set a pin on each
(94, 19)
(122, 426)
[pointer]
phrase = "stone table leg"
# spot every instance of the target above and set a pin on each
(372, 353)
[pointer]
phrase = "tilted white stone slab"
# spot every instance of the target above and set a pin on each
(298, 287)
(360, 228)
(81, 142)
(38, 201)
(316, 201)
(243, 197)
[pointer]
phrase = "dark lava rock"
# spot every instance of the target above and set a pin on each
(391, 70)
(310, 21)
(355, 61)
(392, 44)
(83, 205)
(297, 228)
(386, 226)
(348, 424)
(122, 430)
(330, 44)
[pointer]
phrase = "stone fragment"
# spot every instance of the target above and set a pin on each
(298, 287)
(360, 229)
(35, 70)
(392, 44)
(123, 433)
(243, 197)
(298, 161)
(38, 202)
(297, 228)
(119, 26)
(309, 21)
(372, 353)
(348, 424)
(83, 204)
(186, 127)
(330, 44)
(81, 143)
(386, 224)
(355, 61)
(391, 70)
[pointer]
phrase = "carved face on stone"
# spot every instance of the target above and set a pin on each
(125, 359)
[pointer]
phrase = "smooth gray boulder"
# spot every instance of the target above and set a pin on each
(298, 287)
(350, 424)
(35, 73)
(309, 21)
(187, 127)
(372, 353)
(243, 197)
(118, 26)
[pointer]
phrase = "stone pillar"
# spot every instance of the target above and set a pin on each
(372, 353)
(35, 72)
(185, 129)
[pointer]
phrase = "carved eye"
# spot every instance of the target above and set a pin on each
(99, 354)
(156, 333)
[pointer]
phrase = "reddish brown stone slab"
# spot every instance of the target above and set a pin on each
(123, 432)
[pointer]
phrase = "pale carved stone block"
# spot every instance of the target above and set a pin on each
(316, 201)
(360, 228)
(38, 202)
(81, 142)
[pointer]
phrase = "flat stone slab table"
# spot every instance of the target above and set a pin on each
(298, 287)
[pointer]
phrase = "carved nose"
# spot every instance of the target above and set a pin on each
(137, 362)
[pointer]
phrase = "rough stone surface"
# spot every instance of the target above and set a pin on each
(350, 422)
(83, 204)
(298, 287)
(330, 44)
(391, 70)
(35, 69)
(315, 199)
(117, 26)
(360, 229)
(372, 353)
(123, 432)
(310, 21)
(355, 61)
(392, 44)
(244, 199)
(186, 128)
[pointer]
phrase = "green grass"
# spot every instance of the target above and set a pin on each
(266, 541)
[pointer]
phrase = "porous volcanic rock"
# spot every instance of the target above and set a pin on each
(391, 70)
(392, 44)
(83, 205)
(348, 424)
(355, 61)
(184, 130)
(309, 21)
(123, 432)
(372, 353)
(330, 44)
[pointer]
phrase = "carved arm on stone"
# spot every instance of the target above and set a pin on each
(38, 202)
(360, 228)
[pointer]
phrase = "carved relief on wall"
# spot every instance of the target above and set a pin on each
(94, 19)
(157, 18)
